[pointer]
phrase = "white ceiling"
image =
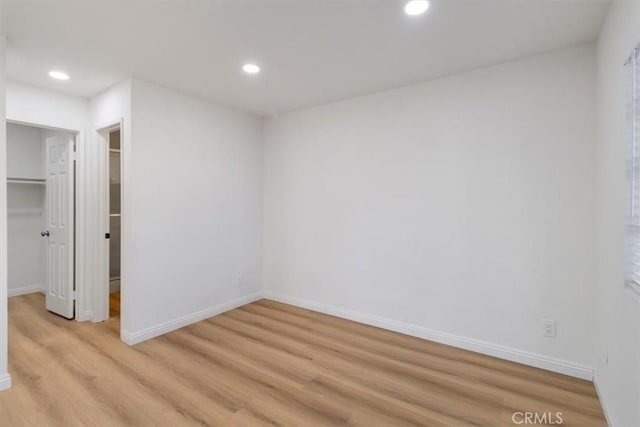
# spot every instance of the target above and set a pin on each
(311, 51)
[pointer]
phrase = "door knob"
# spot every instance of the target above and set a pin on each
(44, 233)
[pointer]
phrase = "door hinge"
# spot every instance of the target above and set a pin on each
(74, 294)
(74, 156)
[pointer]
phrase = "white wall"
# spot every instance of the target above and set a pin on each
(195, 213)
(30, 104)
(26, 258)
(459, 209)
(618, 344)
(25, 203)
(25, 151)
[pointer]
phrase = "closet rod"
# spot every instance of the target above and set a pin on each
(26, 180)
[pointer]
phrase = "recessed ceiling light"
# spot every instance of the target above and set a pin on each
(416, 7)
(58, 75)
(251, 68)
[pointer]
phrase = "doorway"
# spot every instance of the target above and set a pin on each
(114, 210)
(41, 215)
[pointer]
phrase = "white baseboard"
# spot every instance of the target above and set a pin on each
(490, 349)
(24, 290)
(133, 338)
(5, 382)
(603, 400)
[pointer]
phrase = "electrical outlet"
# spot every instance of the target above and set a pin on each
(549, 328)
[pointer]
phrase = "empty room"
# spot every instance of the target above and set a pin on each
(320, 213)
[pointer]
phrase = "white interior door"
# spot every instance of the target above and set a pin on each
(60, 225)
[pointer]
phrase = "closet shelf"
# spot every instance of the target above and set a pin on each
(37, 181)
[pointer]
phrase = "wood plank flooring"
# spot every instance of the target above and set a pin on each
(266, 364)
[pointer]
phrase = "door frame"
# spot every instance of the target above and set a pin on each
(79, 266)
(101, 296)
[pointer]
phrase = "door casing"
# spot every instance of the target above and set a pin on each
(101, 296)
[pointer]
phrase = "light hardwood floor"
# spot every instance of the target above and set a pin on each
(266, 363)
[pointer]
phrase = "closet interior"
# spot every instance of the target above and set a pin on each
(26, 201)
(114, 210)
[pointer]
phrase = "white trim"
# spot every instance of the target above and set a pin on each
(5, 382)
(109, 126)
(24, 290)
(83, 230)
(603, 401)
(41, 126)
(495, 350)
(133, 338)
